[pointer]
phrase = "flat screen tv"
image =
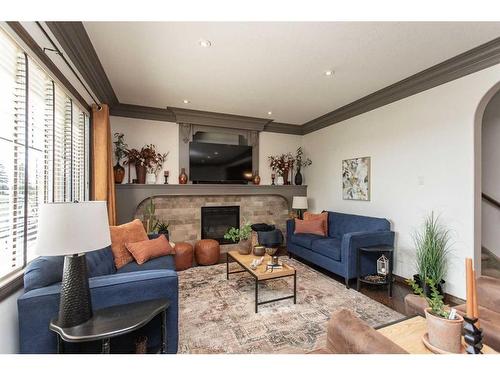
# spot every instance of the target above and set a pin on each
(219, 163)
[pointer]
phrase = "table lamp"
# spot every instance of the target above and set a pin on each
(299, 204)
(72, 229)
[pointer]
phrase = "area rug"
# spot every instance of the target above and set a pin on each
(218, 316)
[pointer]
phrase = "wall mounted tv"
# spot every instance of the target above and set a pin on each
(219, 163)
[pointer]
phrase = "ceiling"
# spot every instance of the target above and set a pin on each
(257, 67)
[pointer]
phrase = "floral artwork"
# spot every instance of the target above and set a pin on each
(356, 179)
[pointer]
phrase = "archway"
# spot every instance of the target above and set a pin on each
(487, 184)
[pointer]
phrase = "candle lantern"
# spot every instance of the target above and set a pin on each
(383, 266)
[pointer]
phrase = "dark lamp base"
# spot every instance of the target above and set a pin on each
(75, 306)
(473, 336)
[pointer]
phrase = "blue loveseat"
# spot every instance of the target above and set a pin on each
(131, 283)
(337, 251)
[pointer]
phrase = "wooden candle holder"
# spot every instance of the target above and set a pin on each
(473, 336)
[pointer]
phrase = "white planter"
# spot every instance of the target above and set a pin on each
(150, 178)
(280, 180)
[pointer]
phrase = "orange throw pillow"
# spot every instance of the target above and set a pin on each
(315, 226)
(150, 249)
(122, 234)
(323, 216)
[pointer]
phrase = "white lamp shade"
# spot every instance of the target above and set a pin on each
(72, 228)
(299, 203)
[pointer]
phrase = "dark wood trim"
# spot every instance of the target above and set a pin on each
(12, 286)
(53, 69)
(142, 112)
(280, 127)
(224, 120)
(76, 43)
(471, 61)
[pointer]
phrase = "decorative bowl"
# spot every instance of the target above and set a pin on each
(271, 250)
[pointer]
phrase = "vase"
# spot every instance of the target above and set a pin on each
(444, 334)
(140, 171)
(183, 178)
(280, 180)
(256, 178)
(245, 247)
(119, 173)
(285, 177)
(298, 177)
(150, 178)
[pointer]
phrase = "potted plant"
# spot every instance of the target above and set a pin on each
(120, 148)
(432, 249)
(300, 162)
(242, 236)
(135, 157)
(147, 161)
(444, 326)
(162, 228)
(149, 218)
(281, 164)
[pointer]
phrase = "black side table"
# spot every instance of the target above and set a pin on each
(113, 321)
(388, 251)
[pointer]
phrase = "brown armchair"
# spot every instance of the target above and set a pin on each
(347, 334)
(488, 299)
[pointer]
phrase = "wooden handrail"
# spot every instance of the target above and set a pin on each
(491, 200)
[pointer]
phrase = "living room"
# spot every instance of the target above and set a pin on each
(194, 186)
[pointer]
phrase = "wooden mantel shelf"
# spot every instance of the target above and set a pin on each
(129, 196)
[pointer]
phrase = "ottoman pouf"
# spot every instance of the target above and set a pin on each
(183, 256)
(207, 252)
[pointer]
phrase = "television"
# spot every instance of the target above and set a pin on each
(219, 163)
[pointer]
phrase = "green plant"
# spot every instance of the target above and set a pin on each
(300, 160)
(235, 234)
(149, 218)
(120, 146)
(162, 227)
(432, 249)
(435, 300)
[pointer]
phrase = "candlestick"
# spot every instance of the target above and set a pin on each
(273, 176)
(475, 309)
(165, 175)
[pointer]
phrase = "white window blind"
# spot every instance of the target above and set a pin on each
(44, 151)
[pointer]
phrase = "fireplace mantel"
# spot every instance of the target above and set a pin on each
(129, 196)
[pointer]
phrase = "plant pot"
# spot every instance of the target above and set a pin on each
(245, 246)
(443, 333)
(298, 177)
(259, 251)
(183, 177)
(426, 287)
(119, 173)
(280, 180)
(150, 178)
(164, 232)
(256, 178)
(140, 171)
(285, 177)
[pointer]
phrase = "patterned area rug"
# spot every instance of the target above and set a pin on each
(217, 315)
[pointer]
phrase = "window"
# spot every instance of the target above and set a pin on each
(44, 152)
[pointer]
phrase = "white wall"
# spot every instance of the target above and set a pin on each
(9, 328)
(164, 135)
(274, 144)
(422, 160)
(491, 175)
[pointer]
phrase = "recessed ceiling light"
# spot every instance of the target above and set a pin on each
(204, 43)
(185, 101)
(329, 73)
(269, 113)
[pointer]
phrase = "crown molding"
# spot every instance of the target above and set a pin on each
(224, 120)
(142, 112)
(42, 56)
(471, 61)
(77, 45)
(281, 127)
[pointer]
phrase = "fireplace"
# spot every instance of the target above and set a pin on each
(216, 220)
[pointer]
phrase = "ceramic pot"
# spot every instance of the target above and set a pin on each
(285, 177)
(259, 251)
(140, 171)
(443, 333)
(183, 177)
(298, 177)
(280, 180)
(256, 178)
(245, 247)
(150, 178)
(119, 173)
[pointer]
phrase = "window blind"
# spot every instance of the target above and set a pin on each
(44, 151)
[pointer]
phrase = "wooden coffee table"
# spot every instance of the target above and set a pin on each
(262, 274)
(408, 332)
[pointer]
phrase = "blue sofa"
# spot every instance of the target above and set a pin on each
(108, 287)
(337, 251)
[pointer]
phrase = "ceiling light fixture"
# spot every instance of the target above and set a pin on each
(185, 101)
(204, 43)
(329, 73)
(269, 113)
